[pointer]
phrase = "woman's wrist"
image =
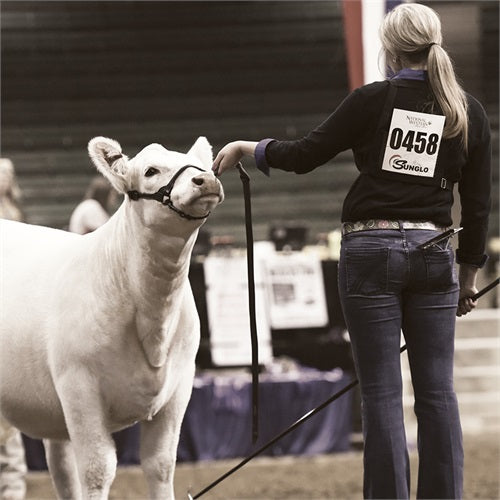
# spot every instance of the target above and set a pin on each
(247, 148)
(467, 276)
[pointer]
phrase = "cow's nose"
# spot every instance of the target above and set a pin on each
(203, 178)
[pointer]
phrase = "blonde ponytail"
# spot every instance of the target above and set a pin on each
(411, 34)
(448, 93)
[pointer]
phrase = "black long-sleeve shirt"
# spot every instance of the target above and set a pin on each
(353, 125)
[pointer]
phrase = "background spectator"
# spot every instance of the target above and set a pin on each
(12, 461)
(94, 210)
(10, 194)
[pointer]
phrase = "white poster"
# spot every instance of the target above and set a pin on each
(296, 291)
(228, 312)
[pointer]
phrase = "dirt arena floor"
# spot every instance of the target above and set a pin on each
(336, 476)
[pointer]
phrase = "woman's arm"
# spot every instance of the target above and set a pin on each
(475, 197)
(337, 133)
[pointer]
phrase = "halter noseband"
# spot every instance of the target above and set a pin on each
(163, 195)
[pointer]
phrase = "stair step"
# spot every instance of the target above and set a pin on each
(482, 356)
(477, 374)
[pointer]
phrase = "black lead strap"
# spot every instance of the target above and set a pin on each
(245, 179)
(309, 414)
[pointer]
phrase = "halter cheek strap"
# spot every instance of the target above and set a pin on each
(163, 195)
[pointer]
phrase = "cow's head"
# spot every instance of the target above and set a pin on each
(160, 183)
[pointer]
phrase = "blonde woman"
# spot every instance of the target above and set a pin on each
(10, 193)
(413, 137)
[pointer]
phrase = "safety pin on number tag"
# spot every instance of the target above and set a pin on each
(440, 237)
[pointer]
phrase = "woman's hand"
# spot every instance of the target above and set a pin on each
(467, 279)
(465, 303)
(231, 154)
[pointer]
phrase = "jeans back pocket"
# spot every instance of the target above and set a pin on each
(441, 276)
(366, 270)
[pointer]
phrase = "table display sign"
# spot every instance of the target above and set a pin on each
(296, 291)
(228, 315)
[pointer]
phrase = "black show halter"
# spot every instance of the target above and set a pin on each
(163, 195)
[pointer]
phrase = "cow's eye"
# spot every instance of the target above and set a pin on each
(151, 171)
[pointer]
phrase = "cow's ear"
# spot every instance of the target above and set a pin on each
(202, 150)
(106, 154)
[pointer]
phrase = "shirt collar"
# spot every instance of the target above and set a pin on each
(411, 74)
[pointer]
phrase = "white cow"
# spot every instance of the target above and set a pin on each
(100, 331)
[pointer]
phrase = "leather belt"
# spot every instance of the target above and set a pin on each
(368, 225)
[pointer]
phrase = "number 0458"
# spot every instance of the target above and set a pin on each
(416, 141)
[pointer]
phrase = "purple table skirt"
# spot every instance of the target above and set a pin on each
(217, 424)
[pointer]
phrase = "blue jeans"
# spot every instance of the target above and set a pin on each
(388, 285)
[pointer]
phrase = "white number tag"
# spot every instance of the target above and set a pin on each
(413, 143)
